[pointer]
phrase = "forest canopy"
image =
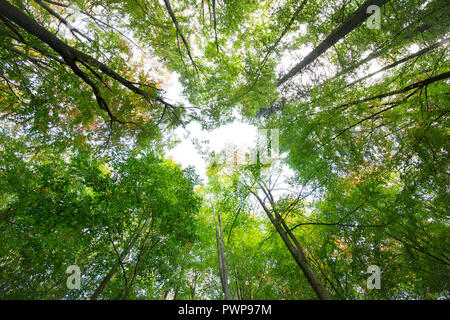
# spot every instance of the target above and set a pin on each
(349, 182)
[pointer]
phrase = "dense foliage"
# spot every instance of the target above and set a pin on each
(86, 122)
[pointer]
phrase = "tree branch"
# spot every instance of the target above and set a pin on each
(175, 22)
(354, 21)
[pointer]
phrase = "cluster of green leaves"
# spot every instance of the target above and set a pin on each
(364, 128)
(73, 208)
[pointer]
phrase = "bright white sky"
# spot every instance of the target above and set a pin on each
(185, 153)
(237, 133)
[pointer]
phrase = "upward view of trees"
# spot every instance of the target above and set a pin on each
(358, 91)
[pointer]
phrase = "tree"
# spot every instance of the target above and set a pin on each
(86, 122)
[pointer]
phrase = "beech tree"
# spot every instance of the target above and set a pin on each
(88, 119)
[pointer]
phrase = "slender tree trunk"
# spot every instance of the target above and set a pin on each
(354, 21)
(405, 59)
(238, 287)
(223, 270)
(296, 250)
(177, 26)
(414, 85)
(215, 25)
(124, 253)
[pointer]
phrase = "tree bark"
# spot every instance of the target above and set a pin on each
(355, 20)
(215, 25)
(403, 60)
(415, 85)
(296, 250)
(177, 26)
(223, 270)
(71, 55)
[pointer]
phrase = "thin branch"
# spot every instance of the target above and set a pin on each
(63, 20)
(119, 259)
(215, 24)
(396, 63)
(175, 22)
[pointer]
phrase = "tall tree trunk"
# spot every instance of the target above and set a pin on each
(215, 25)
(403, 60)
(238, 287)
(354, 21)
(177, 26)
(295, 249)
(223, 270)
(122, 256)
